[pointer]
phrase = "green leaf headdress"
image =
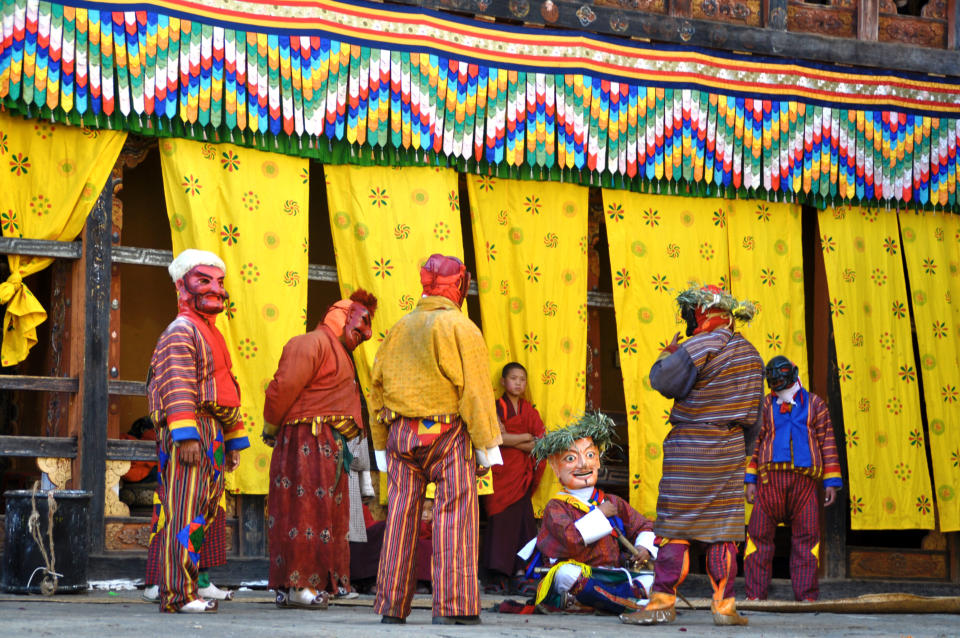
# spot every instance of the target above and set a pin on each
(708, 297)
(597, 426)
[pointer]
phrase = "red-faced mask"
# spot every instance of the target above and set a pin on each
(201, 290)
(357, 328)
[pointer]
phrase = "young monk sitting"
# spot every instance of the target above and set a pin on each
(588, 535)
(510, 521)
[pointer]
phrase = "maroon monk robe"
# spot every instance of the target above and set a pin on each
(519, 474)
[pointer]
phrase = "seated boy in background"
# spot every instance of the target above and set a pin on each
(510, 521)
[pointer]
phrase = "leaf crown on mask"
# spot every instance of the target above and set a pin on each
(712, 297)
(596, 425)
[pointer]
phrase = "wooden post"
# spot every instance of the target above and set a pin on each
(680, 8)
(825, 382)
(868, 19)
(953, 24)
(92, 443)
(594, 362)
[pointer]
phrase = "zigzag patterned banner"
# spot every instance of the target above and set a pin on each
(371, 83)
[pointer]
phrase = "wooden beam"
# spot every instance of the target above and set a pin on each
(124, 450)
(62, 447)
(40, 247)
(727, 36)
(44, 384)
(96, 338)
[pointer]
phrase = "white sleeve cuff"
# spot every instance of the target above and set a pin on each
(593, 526)
(647, 540)
(489, 457)
(381, 456)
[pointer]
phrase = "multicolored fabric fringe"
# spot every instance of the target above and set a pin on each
(378, 84)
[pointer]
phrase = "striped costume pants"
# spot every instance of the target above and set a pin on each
(448, 461)
(212, 554)
(790, 498)
(673, 564)
(190, 503)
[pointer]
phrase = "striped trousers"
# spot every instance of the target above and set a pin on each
(190, 503)
(673, 564)
(212, 554)
(447, 461)
(790, 498)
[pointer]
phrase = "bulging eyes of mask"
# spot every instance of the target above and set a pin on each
(578, 466)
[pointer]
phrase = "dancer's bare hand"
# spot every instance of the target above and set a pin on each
(750, 492)
(830, 496)
(608, 508)
(188, 452)
(232, 460)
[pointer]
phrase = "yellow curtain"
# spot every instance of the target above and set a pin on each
(658, 245)
(930, 247)
(531, 251)
(886, 459)
(250, 208)
(386, 222)
(50, 177)
(766, 267)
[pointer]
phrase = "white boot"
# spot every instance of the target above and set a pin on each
(366, 484)
(199, 606)
(151, 593)
(307, 598)
(213, 592)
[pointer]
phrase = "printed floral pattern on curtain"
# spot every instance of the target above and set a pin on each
(251, 208)
(385, 223)
(531, 252)
(930, 244)
(658, 245)
(50, 177)
(766, 267)
(886, 457)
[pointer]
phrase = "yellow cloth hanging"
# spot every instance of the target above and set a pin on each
(531, 254)
(930, 245)
(766, 267)
(658, 245)
(250, 208)
(886, 459)
(51, 177)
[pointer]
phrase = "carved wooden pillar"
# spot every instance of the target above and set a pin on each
(680, 8)
(595, 216)
(134, 151)
(868, 19)
(58, 354)
(953, 24)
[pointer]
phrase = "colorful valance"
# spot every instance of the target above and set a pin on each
(380, 84)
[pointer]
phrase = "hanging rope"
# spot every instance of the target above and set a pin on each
(48, 586)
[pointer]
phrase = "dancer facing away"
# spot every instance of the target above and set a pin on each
(433, 419)
(716, 381)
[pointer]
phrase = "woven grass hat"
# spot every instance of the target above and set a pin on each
(597, 426)
(711, 297)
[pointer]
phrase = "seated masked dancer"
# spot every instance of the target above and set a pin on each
(596, 542)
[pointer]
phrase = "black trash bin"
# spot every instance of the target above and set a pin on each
(22, 556)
